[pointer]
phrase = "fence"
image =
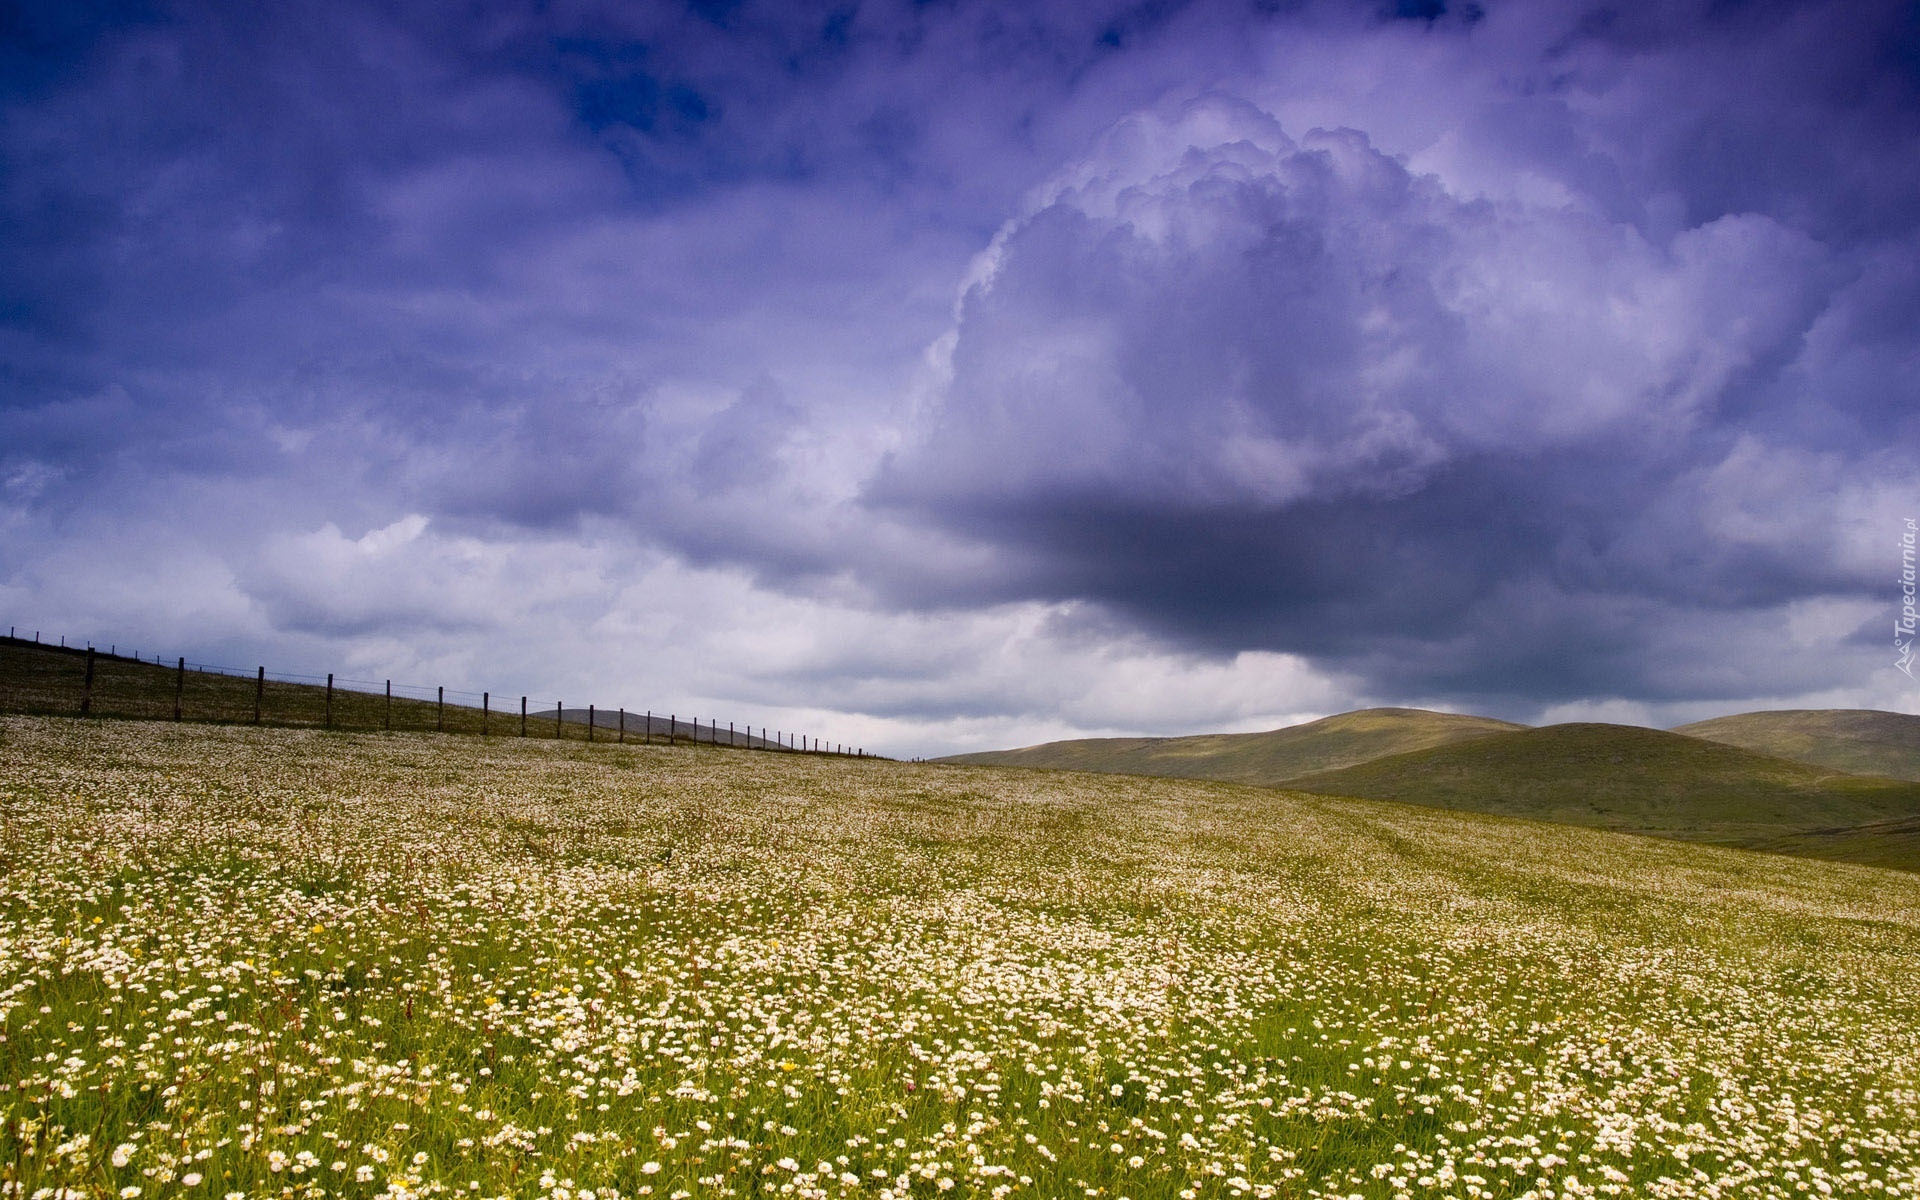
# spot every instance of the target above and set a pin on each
(39, 677)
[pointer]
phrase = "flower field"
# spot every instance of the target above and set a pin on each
(242, 962)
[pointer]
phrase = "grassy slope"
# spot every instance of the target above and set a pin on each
(1631, 779)
(1265, 758)
(469, 964)
(1894, 843)
(49, 679)
(37, 678)
(1862, 741)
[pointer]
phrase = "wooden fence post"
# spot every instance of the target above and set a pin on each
(179, 686)
(329, 699)
(730, 740)
(523, 716)
(259, 694)
(669, 729)
(559, 711)
(440, 710)
(86, 689)
(647, 733)
(387, 722)
(486, 703)
(589, 722)
(623, 723)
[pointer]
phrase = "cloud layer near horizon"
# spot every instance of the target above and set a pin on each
(951, 377)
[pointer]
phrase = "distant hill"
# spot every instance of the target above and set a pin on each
(1863, 741)
(1263, 758)
(1644, 781)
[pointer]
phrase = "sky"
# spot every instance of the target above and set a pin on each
(948, 376)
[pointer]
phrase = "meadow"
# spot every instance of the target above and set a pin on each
(242, 962)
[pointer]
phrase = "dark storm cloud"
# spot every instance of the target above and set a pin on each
(1255, 391)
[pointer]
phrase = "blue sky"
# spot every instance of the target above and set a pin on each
(946, 376)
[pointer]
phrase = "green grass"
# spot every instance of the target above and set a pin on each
(1630, 779)
(1858, 740)
(1894, 843)
(1272, 757)
(281, 962)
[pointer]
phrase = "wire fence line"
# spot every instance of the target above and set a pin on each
(82, 679)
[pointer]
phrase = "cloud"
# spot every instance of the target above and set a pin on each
(1252, 391)
(406, 578)
(1216, 314)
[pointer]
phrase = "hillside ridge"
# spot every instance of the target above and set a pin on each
(1863, 741)
(1270, 757)
(1637, 780)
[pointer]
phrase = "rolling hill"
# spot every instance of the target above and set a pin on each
(1863, 741)
(1645, 781)
(1269, 758)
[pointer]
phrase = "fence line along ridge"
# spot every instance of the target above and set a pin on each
(83, 680)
